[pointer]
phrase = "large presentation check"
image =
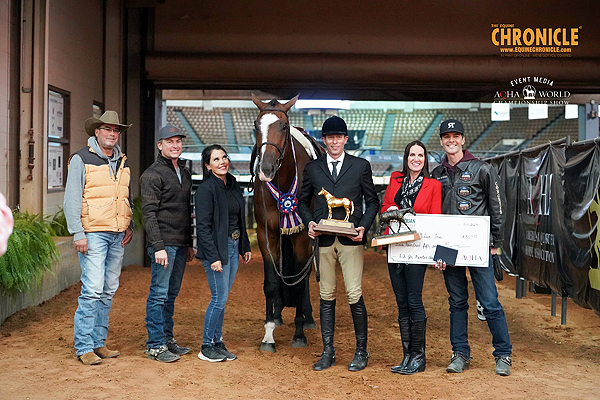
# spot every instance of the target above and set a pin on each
(470, 235)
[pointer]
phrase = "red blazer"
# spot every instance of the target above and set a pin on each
(429, 198)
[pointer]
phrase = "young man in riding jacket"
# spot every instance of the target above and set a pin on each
(342, 175)
(472, 187)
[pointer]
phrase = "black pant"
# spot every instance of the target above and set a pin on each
(407, 282)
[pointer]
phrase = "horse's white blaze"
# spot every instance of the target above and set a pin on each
(264, 123)
(269, 328)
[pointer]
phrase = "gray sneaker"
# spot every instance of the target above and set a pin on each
(211, 354)
(458, 363)
(503, 364)
(162, 354)
(229, 355)
(176, 349)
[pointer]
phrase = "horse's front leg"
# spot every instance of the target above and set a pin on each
(268, 342)
(329, 207)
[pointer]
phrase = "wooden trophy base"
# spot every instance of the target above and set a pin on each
(409, 236)
(336, 227)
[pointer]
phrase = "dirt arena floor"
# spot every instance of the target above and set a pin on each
(550, 361)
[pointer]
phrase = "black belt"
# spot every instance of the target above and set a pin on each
(235, 235)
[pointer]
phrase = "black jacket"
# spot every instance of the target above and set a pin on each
(212, 219)
(355, 181)
(166, 208)
(475, 190)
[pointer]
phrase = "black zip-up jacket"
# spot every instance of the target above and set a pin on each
(212, 219)
(166, 208)
(475, 189)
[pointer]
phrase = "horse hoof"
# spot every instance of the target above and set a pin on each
(299, 342)
(309, 324)
(270, 347)
(278, 321)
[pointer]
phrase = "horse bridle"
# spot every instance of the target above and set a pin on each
(286, 130)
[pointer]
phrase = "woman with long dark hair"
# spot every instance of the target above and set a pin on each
(412, 187)
(222, 238)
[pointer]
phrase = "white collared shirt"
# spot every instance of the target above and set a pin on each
(339, 165)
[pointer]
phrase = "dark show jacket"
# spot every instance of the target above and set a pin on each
(475, 190)
(429, 198)
(166, 208)
(212, 219)
(355, 182)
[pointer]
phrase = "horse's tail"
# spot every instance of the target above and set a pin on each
(352, 204)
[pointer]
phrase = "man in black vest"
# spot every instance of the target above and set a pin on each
(342, 175)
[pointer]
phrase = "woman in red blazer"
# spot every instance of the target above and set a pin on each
(412, 187)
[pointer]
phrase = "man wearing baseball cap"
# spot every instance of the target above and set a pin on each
(472, 187)
(166, 210)
(97, 206)
(342, 175)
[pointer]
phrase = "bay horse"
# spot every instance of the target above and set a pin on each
(278, 165)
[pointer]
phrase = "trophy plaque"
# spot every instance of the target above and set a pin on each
(336, 226)
(385, 219)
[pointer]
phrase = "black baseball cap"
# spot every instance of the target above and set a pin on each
(334, 126)
(169, 131)
(451, 125)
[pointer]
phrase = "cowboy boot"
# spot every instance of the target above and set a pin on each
(327, 312)
(417, 348)
(405, 335)
(359, 317)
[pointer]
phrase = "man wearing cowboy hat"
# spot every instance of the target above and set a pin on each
(98, 209)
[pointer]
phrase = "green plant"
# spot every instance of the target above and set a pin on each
(58, 222)
(30, 252)
(138, 221)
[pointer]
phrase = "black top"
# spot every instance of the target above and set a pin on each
(166, 205)
(212, 219)
(233, 207)
(354, 181)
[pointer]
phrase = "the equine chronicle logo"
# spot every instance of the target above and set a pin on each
(529, 94)
(514, 41)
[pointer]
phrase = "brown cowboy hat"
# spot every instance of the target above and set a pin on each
(109, 117)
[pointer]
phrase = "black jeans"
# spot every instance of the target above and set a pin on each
(407, 282)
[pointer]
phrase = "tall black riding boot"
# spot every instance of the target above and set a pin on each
(361, 355)
(405, 335)
(417, 348)
(327, 311)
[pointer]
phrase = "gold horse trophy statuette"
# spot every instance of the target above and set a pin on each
(334, 202)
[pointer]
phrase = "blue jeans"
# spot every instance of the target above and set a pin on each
(164, 288)
(100, 270)
(484, 284)
(407, 283)
(220, 285)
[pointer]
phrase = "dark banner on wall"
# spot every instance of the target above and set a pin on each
(580, 237)
(540, 217)
(553, 209)
(508, 171)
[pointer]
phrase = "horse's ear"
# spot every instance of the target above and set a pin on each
(258, 103)
(290, 103)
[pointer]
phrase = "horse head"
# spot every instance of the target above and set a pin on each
(272, 136)
(322, 192)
